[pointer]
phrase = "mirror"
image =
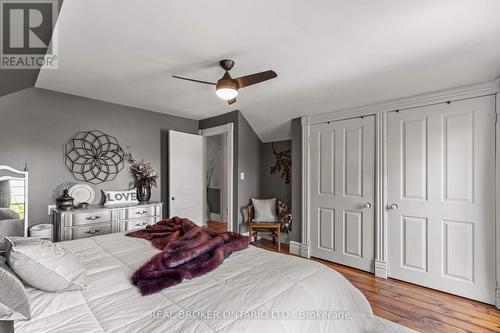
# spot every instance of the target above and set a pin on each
(13, 201)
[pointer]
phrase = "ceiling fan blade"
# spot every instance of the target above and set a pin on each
(248, 80)
(231, 101)
(199, 81)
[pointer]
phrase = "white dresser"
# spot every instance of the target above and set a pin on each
(101, 220)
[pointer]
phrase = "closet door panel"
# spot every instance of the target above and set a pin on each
(441, 191)
(342, 182)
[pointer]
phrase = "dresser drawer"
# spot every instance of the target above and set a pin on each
(139, 212)
(89, 218)
(97, 230)
(100, 220)
(140, 223)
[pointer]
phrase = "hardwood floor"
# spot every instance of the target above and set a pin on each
(416, 307)
(217, 226)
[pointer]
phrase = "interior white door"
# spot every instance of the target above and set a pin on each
(186, 184)
(441, 192)
(342, 192)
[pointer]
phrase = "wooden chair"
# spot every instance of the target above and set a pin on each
(256, 228)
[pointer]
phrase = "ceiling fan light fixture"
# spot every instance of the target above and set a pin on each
(226, 93)
(226, 88)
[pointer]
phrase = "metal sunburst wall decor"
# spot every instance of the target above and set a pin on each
(93, 156)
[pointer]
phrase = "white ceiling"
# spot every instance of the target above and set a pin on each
(328, 54)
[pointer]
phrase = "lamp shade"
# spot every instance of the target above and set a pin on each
(226, 93)
(226, 89)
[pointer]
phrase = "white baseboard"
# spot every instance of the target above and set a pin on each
(300, 249)
(381, 269)
(305, 251)
(497, 297)
(295, 248)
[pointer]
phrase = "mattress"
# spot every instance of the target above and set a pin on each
(254, 290)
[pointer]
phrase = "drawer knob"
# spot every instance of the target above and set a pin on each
(140, 224)
(93, 218)
(93, 231)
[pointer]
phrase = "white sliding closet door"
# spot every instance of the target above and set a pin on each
(441, 192)
(342, 192)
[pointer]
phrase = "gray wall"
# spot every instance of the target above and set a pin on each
(35, 124)
(215, 149)
(247, 159)
(12, 80)
(295, 235)
(274, 185)
(249, 162)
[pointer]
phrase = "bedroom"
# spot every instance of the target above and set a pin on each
(357, 172)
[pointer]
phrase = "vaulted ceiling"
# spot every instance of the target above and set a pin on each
(328, 54)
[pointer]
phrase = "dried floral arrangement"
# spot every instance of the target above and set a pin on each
(283, 164)
(143, 172)
(284, 217)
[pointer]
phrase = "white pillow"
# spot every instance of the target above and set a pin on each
(45, 265)
(264, 210)
(14, 303)
(120, 197)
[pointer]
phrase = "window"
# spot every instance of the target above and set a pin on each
(17, 196)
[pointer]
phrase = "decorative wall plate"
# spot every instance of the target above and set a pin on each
(82, 192)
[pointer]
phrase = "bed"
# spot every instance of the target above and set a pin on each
(254, 290)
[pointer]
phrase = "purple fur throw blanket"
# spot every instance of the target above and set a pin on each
(187, 251)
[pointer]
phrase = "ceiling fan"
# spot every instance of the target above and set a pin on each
(227, 87)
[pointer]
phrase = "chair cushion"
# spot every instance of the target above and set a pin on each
(264, 210)
(14, 303)
(45, 265)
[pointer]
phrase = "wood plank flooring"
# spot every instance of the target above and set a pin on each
(416, 307)
(217, 226)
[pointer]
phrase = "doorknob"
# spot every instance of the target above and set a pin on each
(367, 205)
(394, 206)
(173, 198)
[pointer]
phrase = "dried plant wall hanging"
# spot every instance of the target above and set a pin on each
(283, 164)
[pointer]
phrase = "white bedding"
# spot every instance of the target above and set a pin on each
(252, 282)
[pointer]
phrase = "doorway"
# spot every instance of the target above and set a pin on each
(218, 177)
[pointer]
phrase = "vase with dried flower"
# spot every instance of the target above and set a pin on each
(145, 177)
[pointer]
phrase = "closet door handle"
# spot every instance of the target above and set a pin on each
(367, 205)
(394, 207)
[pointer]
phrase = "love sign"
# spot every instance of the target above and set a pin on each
(120, 197)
